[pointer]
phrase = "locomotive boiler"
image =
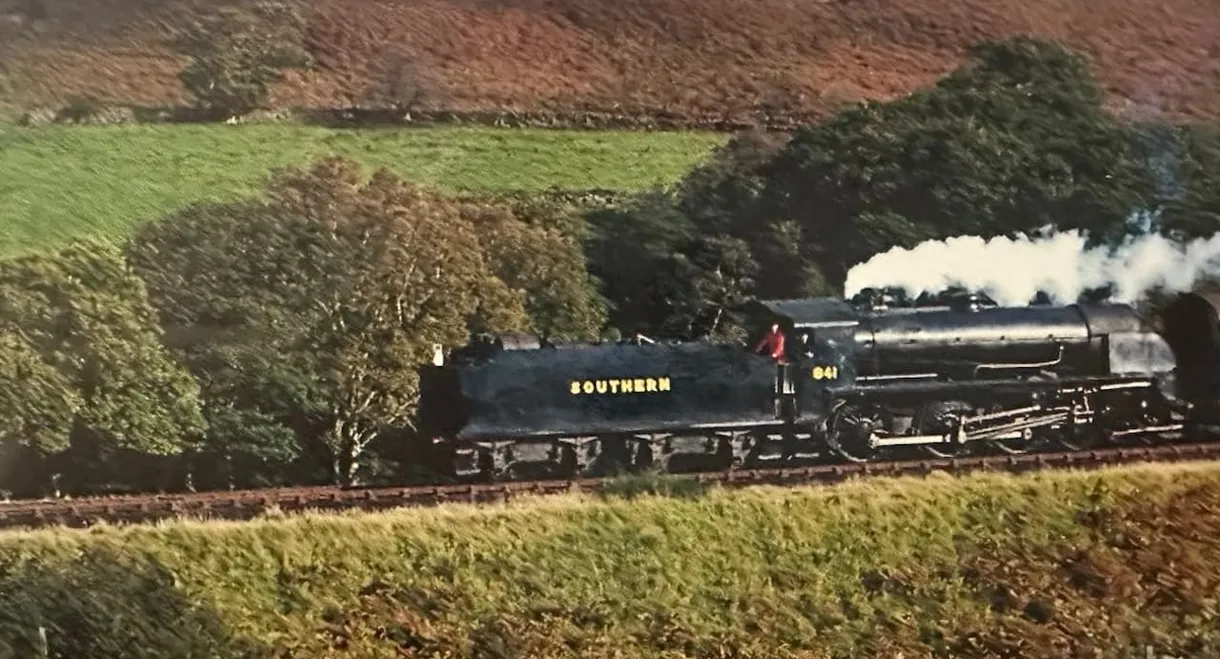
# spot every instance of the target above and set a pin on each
(859, 381)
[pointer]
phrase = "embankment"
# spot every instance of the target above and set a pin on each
(1054, 564)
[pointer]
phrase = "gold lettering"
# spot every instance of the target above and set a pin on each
(825, 372)
(622, 385)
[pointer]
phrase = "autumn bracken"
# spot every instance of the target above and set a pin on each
(1052, 564)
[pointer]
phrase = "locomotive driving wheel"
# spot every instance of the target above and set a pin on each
(940, 418)
(851, 426)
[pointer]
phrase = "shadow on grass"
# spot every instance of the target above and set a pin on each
(102, 605)
(631, 486)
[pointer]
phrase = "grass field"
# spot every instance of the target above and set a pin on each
(1053, 564)
(64, 181)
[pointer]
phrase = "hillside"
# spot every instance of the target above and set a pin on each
(1121, 563)
(706, 57)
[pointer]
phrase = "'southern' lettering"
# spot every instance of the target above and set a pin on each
(619, 386)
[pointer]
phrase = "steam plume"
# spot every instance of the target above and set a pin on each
(1056, 263)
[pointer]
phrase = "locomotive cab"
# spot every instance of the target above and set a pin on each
(818, 333)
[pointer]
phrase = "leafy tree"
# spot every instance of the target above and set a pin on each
(81, 364)
(664, 274)
(1184, 161)
(396, 270)
(629, 247)
(312, 309)
(224, 279)
(237, 53)
(704, 285)
(1014, 141)
(721, 195)
(545, 265)
(38, 401)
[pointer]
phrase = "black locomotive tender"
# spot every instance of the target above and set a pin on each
(863, 380)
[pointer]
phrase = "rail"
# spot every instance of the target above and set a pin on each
(250, 504)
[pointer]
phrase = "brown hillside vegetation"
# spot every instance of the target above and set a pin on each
(693, 57)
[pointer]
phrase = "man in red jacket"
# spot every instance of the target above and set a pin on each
(773, 342)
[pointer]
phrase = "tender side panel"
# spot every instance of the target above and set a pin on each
(616, 389)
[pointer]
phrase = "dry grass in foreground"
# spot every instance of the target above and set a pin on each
(1056, 564)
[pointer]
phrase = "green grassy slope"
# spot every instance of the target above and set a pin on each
(1062, 564)
(58, 182)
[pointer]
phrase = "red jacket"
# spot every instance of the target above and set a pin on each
(774, 343)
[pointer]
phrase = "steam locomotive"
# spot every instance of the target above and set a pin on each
(870, 378)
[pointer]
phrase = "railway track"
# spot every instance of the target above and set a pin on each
(248, 504)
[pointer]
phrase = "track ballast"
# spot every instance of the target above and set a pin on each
(250, 504)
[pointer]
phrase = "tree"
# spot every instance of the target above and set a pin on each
(313, 308)
(223, 278)
(629, 247)
(396, 270)
(82, 365)
(236, 54)
(529, 251)
(1185, 163)
(704, 285)
(723, 197)
(39, 404)
(667, 275)
(1014, 141)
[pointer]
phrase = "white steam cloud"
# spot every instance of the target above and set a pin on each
(1013, 271)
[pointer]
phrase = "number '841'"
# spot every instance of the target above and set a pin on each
(825, 372)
